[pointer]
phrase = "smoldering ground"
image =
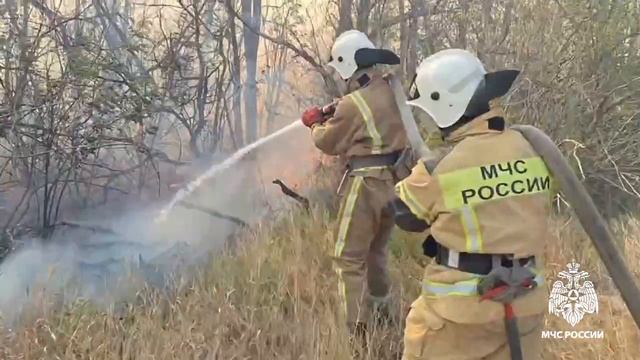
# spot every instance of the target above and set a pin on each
(106, 258)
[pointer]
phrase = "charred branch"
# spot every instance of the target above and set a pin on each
(289, 192)
(214, 213)
(94, 228)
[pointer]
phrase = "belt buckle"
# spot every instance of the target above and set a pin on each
(453, 259)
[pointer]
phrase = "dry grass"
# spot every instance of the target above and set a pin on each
(274, 296)
(622, 338)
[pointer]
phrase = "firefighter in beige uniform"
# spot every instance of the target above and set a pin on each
(487, 204)
(366, 129)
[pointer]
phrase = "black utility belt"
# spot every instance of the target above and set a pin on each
(480, 264)
(368, 161)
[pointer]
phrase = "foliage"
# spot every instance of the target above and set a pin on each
(92, 100)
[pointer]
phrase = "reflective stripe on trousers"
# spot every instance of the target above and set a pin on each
(365, 111)
(432, 289)
(343, 231)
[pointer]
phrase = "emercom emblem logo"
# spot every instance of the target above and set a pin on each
(574, 297)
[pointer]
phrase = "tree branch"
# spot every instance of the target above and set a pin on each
(94, 228)
(413, 13)
(289, 192)
(280, 41)
(214, 213)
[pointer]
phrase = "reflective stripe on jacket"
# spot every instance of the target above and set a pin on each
(366, 121)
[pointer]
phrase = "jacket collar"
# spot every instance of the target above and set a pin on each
(488, 123)
(362, 78)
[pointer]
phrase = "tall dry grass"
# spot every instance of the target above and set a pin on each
(273, 296)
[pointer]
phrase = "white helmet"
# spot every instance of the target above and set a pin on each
(445, 83)
(343, 52)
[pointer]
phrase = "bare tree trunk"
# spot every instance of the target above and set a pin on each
(274, 78)
(344, 22)
(12, 32)
(127, 14)
(77, 24)
(412, 42)
(462, 25)
(203, 85)
(117, 38)
(428, 43)
(485, 33)
(252, 12)
(236, 102)
(109, 24)
(364, 10)
(404, 42)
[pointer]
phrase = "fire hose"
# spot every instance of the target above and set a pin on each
(420, 149)
(588, 215)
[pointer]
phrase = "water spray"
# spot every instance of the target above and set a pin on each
(326, 110)
(217, 168)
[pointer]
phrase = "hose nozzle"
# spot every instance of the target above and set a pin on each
(329, 109)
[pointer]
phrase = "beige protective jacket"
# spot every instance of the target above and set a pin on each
(366, 121)
(491, 194)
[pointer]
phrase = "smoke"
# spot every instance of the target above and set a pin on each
(95, 256)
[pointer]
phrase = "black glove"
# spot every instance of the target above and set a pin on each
(430, 247)
(405, 219)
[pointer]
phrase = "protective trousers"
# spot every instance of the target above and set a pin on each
(429, 336)
(362, 236)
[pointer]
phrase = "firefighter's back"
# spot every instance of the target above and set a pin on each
(496, 193)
